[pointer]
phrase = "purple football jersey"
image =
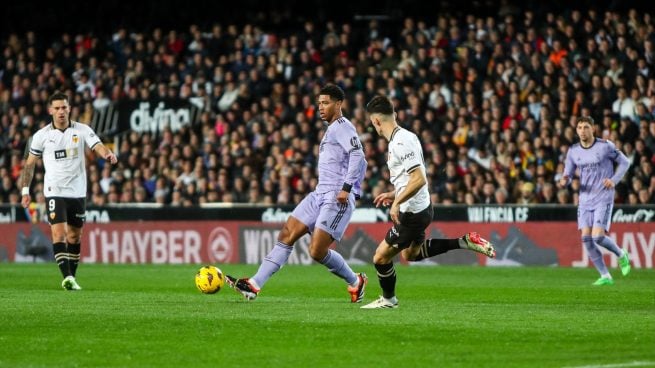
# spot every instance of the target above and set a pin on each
(341, 158)
(596, 163)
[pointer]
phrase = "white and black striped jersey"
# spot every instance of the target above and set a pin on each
(63, 158)
(406, 155)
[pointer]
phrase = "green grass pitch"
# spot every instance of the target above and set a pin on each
(449, 316)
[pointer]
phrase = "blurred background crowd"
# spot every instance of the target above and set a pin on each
(493, 96)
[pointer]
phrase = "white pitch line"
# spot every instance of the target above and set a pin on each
(617, 365)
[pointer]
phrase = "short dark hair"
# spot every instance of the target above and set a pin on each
(335, 92)
(585, 119)
(57, 96)
(380, 105)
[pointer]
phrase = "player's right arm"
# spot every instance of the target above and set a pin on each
(384, 199)
(569, 169)
(26, 179)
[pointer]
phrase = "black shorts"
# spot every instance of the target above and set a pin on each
(69, 210)
(410, 230)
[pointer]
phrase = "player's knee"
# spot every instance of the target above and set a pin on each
(283, 236)
(73, 238)
(380, 259)
(317, 253)
(410, 256)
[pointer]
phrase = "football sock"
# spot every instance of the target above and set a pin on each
(387, 278)
(338, 266)
(609, 244)
(74, 256)
(433, 247)
(595, 255)
(61, 257)
(274, 260)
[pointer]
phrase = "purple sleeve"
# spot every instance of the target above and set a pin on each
(622, 163)
(349, 141)
(569, 165)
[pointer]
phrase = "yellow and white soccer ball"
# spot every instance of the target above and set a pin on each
(210, 279)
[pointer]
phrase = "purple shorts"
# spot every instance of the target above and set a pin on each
(323, 211)
(599, 216)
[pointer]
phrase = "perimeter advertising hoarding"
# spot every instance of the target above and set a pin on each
(222, 242)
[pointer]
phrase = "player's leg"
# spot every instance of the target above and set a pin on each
(298, 224)
(292, 230)
(76, 214)
(405, 236)
(59, 247)
(73, 236)
(585, 223)
(331, 223)
(56, 210)
(435, 246)
(601, 225)
(383, 261)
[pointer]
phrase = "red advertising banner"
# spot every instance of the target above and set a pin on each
(184, 242)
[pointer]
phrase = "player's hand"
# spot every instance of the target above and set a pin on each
(111, 157)
(384, 199)
(394, 212)
(608, 183)
(25, 201)
(342, 197)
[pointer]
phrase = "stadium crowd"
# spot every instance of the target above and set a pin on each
(493, 99)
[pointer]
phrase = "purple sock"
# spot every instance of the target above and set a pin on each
(338, 266)
(595, 255)
(609, 244)
(272, 263)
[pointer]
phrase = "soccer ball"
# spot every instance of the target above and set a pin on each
(209, 279)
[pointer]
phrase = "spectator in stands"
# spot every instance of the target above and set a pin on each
(527, 69)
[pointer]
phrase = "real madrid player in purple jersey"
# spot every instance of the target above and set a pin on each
(326, 211)
(601, 166)
(61, 146)
(411, 209)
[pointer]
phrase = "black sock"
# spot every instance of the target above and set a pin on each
(387, 277)
(74, 254)
(433, 247)
(61, 257)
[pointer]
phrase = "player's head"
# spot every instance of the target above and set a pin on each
(330, 99)
(58, 107)
(585, 128)
(57, 96)
(586, 119)
(380, 111)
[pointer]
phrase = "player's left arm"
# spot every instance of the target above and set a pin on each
(93, 141)
(356, 163)
(104, 152)
(622, 166)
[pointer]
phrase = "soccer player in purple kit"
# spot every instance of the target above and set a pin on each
(595, 160)
(326, 211)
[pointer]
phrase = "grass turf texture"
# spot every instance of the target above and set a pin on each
(153, 316)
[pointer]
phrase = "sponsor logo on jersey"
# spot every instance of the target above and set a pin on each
(59, 154)
(407, 156)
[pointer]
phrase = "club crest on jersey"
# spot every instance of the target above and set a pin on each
(354, 142)
(76, 139)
